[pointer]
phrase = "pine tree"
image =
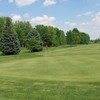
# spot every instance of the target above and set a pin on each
(34, 42)
(9, 41)
(2, 20)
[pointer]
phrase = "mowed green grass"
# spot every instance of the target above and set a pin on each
(61, 73)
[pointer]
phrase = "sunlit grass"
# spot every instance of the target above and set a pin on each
(61, 73)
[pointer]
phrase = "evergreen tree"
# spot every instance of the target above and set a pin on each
(2, 20)
(34, 42)
(9, 40)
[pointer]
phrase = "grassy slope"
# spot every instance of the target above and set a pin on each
(62, 73)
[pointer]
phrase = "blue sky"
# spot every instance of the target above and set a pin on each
(64, 14)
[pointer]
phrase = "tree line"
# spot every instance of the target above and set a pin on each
(74, 37)
(96, 40)
(22, 34)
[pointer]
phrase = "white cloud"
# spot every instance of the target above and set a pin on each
(16, 18)
(45, 20)
(70, 24)
(49, 2)
(84, 23)
(85, 14)
(82, 26)
(91, 27)
(21, 3)
(96, 19)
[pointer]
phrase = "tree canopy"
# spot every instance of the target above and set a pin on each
(76, 37)
(51, 35)
(22, 29)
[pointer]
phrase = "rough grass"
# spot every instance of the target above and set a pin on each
(61, 73)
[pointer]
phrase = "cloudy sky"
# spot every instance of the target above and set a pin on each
(64, 14)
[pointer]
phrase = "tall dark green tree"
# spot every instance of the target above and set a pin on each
(9, 41)
(69, 37)
(2, 21)
(43, 31)
(34, 42)
(52, 34)
(61, 36)
(73, 37)
(84, 38)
